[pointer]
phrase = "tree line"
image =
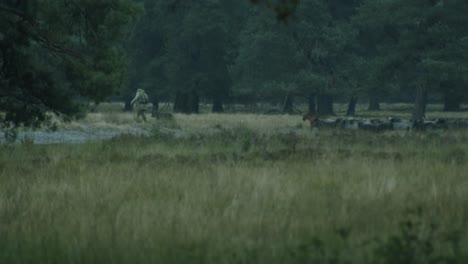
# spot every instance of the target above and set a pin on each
(233, 51)
(56, 54)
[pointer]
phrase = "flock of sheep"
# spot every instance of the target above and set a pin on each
(385, 124)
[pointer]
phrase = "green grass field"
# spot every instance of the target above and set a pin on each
(239, 188)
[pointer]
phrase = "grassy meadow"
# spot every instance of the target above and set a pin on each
(236, 188)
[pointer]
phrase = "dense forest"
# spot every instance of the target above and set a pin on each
(56, 54)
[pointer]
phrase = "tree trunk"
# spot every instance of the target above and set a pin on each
(374, 104)
(288, 104)
(155, 109)
(187, 103)
(180, 103)
(312, 106)
(352, 106)
(217, 106)
(325, 105)
(452, 101)
(419, 112)
(193, 102)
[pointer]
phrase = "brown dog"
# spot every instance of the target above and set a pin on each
(312, 119)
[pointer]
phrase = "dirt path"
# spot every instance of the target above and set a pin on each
(72, 136)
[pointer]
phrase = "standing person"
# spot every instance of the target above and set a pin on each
(139, 103)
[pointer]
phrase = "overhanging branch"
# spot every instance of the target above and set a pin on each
(40, 37)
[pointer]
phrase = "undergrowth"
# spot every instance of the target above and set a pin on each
(235, 193)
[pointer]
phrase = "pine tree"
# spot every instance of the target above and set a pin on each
(55, 52)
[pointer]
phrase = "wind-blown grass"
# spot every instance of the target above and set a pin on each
(237, 188)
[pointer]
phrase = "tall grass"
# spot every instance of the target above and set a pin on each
(237, 189)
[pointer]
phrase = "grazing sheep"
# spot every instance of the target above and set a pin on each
(463, 123)
(382, 126)
(436, 124)
(401, 125)
(459, 123)
(328, 122)
(350, 124)
(375, 125)
(422, 125)
(378, 125)
(368, 125)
